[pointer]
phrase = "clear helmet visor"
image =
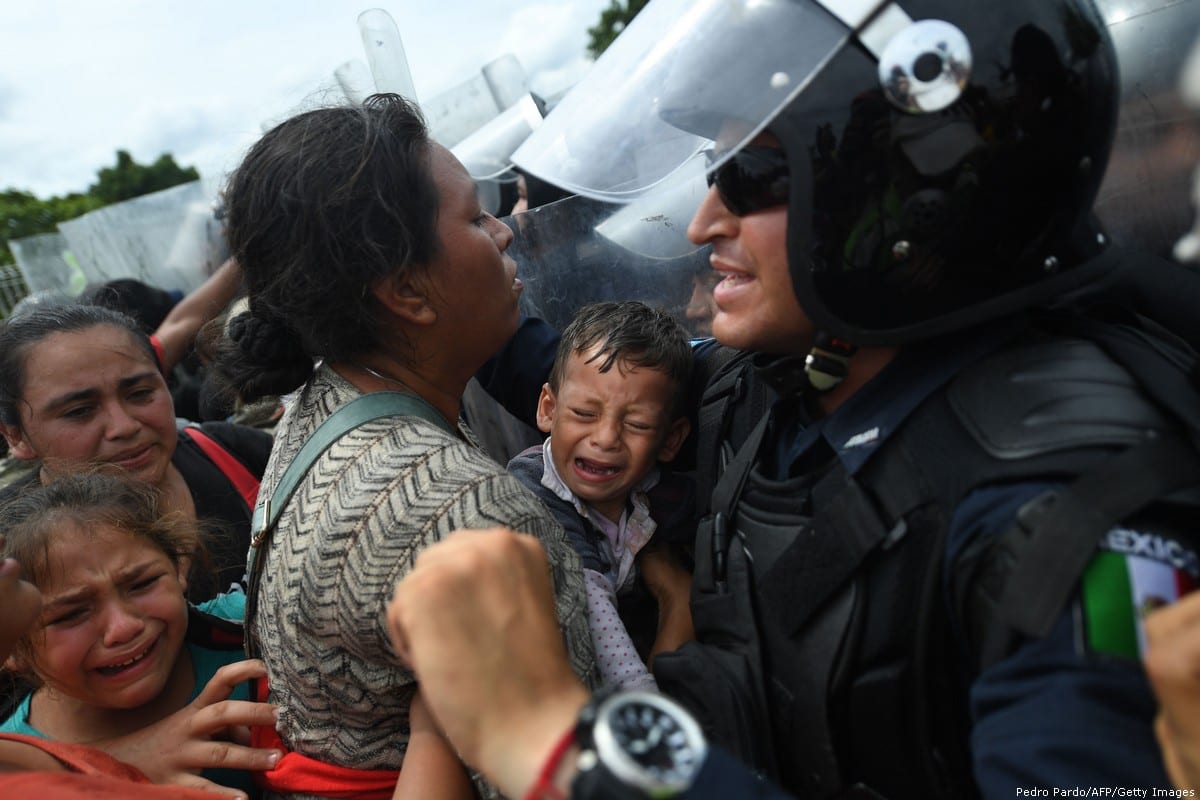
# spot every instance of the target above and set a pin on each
(579, 250)
(675, 79)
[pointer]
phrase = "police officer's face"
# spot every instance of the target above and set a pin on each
(756, 308)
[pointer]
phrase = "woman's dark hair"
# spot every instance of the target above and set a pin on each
(19, 334)
(321, 207)
(85, 502)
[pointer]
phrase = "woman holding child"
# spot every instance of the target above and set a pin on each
(364, 246)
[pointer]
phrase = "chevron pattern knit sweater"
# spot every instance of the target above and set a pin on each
(349, 533)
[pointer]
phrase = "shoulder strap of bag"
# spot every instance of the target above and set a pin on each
(243, 480)
(82, 759)
(359, 411)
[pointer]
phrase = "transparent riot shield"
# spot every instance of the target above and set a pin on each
(168, 239)
(506, 80)
(456, 113)
(384, 49)
(486, 152)
(43, 262)
(355, 81)
(1145, 198)
(580, 251)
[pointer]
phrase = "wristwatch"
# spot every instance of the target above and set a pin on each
(636, 744)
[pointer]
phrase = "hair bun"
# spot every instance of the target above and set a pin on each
(264, 339)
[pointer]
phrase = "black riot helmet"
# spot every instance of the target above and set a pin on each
(941, 156)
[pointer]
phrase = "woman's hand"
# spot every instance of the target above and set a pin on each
(1173, 666)
(210, 732)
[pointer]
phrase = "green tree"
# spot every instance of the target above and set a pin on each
(612, 21)
(24, 214)
(128, 179)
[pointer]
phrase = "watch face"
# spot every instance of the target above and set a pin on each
(664, 745)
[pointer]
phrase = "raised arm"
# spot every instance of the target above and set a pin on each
(178, 331)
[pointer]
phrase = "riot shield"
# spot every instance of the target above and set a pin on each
(168, 239)
(579, 251)
(384, 49)
(1145, 197)
(355, 81)
(42, 260)
(485, 153)
(458, 112)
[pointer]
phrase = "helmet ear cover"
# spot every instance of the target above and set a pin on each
(902, 226)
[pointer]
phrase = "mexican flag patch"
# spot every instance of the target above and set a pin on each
(1133, 574)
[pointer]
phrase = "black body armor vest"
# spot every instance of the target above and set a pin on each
(824, 653)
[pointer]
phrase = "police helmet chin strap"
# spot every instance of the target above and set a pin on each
(825, 366)
(828, 362)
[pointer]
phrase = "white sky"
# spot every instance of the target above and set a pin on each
(81, 78)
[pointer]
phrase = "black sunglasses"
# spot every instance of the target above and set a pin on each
(754, 178)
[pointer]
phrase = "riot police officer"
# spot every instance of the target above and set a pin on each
(923, 571)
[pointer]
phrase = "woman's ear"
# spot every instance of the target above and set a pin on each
(18, 445)
(406, 296)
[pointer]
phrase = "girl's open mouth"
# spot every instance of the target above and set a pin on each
(117, 669)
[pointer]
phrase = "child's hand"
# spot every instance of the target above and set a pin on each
(212, 731)
(670, 583)
(21, 601)
(671, 586)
